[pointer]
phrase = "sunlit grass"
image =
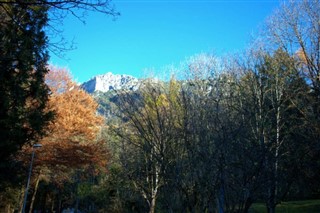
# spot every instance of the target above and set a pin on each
(306, 206)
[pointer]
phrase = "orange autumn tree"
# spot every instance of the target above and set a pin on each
(72, 140)
(73, 136)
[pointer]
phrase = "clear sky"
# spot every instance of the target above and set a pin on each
(152, 34)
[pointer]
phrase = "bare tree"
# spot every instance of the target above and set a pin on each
(295, 27)
(148, 135)
(272, 82)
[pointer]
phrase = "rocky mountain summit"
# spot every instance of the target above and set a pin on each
(110, 81)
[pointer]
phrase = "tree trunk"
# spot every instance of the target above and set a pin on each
(273, 184)
(271, 209)
(247, 205)
(8, 208)
(221, 200)
(59, 204)
(52, 205)
(77, 205)
(271, 199)
(210, 207)
(21, 199)
(152, 205)
(34, 194)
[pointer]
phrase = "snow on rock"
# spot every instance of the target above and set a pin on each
(109, 81)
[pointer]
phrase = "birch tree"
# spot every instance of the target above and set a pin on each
(273, 83)
(295, 28)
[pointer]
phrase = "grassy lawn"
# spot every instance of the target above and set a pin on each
(306, 206)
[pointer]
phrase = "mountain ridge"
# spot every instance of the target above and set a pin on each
(109, 81)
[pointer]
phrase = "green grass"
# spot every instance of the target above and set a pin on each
(306, 206)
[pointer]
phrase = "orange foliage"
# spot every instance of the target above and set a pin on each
(302, 56)
(72, 140)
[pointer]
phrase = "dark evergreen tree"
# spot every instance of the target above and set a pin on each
(23, 64)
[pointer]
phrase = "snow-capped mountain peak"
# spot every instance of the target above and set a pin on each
(110, 81)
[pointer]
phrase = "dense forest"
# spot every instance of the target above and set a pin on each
(223, 133)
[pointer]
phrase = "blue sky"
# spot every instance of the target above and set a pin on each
(152, 34)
